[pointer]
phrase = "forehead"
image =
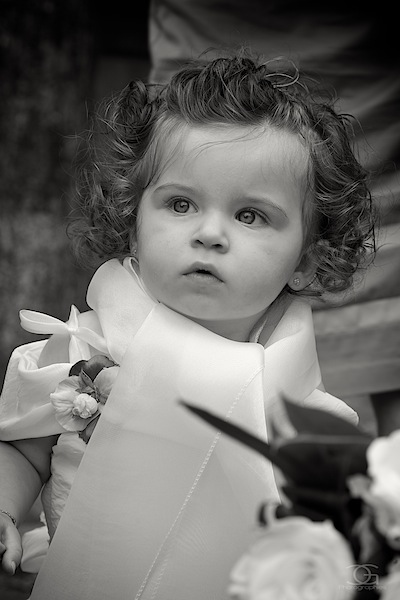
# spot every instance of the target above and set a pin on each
(233, 149)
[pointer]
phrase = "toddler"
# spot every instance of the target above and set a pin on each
(219, 204)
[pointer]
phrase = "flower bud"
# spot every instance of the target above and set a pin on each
(84, 406)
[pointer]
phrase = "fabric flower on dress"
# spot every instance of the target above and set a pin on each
(294, 558)
(79, 399)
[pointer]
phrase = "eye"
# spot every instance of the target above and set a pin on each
(180, 205)
(249, 216)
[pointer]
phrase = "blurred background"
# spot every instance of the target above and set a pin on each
(58, 58)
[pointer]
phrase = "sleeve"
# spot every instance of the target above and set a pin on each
(318, 399)
(26, 410)
(25, 407)
(323, 401)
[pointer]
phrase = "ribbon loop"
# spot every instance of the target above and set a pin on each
(37, 322)
(81, 337)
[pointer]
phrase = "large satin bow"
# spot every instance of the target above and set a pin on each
(80, 337)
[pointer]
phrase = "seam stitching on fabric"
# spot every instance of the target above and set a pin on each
(190, 493)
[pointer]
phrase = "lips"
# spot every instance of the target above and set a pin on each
(203, 271)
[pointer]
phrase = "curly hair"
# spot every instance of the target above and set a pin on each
(126, 144)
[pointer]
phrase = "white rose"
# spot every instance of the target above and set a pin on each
(383, 457)
(84, 406)
(390, 587)
(295, 559)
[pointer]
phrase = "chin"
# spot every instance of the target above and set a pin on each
(199, 318)
(197, 313)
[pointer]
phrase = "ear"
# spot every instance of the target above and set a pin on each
(304, 273)
(133, 242)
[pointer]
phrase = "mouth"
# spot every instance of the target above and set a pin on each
(203, 272)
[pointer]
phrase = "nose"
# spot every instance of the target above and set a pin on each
(211, 234)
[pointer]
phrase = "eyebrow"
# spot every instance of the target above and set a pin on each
(252, 200)
(167, 186)
(266, 201)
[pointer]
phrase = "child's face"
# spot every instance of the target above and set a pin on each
(220, 232)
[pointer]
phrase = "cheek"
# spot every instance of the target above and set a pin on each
(156, 250)
(150, 263)
(275, 263)
(145, 238)
(270, 272)
(156, 261)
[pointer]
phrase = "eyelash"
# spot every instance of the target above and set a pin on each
(255, 212)
(171, 204)
(173, 201)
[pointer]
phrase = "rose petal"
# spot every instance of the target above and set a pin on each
(71, 422)
(390, 587)
(384, 452)
(63, 401)
(295, 558)
(84, 406)
(383, 457)
(65, 392)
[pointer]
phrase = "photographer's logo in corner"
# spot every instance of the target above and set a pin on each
(364, 576)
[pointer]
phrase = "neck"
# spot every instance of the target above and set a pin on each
(256, 328)
(230, 329)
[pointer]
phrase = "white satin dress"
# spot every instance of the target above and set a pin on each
(158, 505)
